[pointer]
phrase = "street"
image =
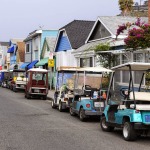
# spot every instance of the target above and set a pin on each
(34, 125)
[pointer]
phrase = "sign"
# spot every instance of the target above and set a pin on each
(0, 67)
(51, 63)
(50, 55)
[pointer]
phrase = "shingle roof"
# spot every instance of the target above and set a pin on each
(78, 31)
(112, 22)
(51, 42)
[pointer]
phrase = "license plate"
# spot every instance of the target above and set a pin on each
(99, 104)
(36, 91)
(147, 118)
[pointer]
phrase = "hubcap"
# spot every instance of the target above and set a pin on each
(104, 124)
(125, 131)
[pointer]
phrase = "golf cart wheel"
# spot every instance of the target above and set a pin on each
(71, 112)
(60, 106)
(129, 133)
(104, 126)
(28, 95)
(52, 104)
(82, 115)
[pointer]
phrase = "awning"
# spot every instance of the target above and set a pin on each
(32, 64)
(11, 49)
(42, 62)
(23, 66)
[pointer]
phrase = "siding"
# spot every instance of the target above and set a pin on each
(63, 44)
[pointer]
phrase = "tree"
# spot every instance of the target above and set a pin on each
(125, 6)
(138, 35)
(107, 60)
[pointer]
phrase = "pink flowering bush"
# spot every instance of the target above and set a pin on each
(137, 37)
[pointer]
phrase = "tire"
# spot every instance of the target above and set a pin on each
(71, 112)
(28, 95)
(104, 126)
(129, 133)
(60, 106)
(52, 104)
(82, 115)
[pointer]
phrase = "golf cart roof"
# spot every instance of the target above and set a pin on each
(135, 66)
(37, 70)
(4, 71)
(95, 69)
(68, 69)
(17, 70)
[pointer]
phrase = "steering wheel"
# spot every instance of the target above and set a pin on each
(124, 92)
(86, 87)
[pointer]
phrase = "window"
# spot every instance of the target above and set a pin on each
(86, 62)
(27, 48)
(147, 57)
(138, 57)
(125, 76)
(124, 59)
(36, 54)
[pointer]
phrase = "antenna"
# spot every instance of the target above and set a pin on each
(41, 26)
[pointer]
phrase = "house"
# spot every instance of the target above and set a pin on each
(3, 55)
(47, 54)
(104, 31)
(71, 37)
(33, 46)
(16, 46)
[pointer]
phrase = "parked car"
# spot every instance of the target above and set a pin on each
(37, 83)
(89, 95)
(128, 107)
(64, 88)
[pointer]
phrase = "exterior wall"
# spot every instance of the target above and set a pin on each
(148, 11)
(65, 59)
(36, 47)
(28, 55)
(63, 43)
(3, 56)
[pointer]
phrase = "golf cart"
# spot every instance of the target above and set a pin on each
(128, 106)
(89, 94)
(4, 76)
(17, 79)
(64, 88)
(37, 83)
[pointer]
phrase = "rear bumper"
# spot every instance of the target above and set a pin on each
(141, 126)
(92, 113)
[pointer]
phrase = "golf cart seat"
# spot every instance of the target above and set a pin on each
(41, 82)
(34, 82)
(140, 96)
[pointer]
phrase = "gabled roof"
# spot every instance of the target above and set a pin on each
(15, 40)
(111, 23)
(77, 32)
(50, 42)
(4, 43)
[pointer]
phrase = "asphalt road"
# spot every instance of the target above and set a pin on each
(34, 125)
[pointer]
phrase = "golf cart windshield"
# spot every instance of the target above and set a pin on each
(130, 90)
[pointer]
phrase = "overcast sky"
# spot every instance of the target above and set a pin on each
(19, 17)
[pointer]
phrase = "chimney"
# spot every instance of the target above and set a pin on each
(149, 12)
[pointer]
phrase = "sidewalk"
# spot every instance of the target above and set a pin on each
(50, 94)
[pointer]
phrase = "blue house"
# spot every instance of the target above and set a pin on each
(33, 47)
(71, 37)
(12, 51)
